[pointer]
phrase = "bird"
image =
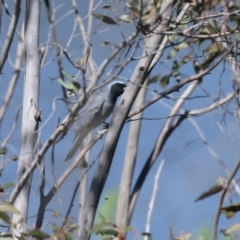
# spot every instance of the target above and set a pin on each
(97, 109)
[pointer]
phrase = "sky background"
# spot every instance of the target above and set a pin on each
(189, 168)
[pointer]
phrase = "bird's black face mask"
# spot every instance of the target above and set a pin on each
(117, 89)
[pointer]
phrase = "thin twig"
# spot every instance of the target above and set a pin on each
(153, 198)
(10, 33)
(220, 202)
(12, 83)
(13, 126)
(176, 87)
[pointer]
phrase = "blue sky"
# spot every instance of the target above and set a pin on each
(189, 168)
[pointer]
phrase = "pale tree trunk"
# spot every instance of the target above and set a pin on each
(30, 109)
(139, 75)
(123, 216)
(129, 163)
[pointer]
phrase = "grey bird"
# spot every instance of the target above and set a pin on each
(97, 109)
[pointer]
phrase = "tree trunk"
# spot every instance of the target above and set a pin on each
(29, 128)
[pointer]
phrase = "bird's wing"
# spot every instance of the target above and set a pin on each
(90, 118)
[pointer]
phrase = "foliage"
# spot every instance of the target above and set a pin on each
(180, 61)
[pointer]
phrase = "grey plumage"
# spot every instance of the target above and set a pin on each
(98, 108)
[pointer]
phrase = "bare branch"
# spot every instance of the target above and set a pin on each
(13, 126)
(220, 203)
(162, 138)
(10, 34)
(63, 177)
(184, 82)
(153, 197)
(129, 164)
(12, 84)
(30, 108)
(139, 75)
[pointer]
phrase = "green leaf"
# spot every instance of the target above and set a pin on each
(6, 207)
(175, 70)
(6, 236)
(104, 229)
(111, 232)
(197, 66)
(67, 85)
(185, 236)
(211, 191)
(231, 210)
(36, 233)
(80, 62)
(154, 79)
(215, 48)
(172, 53)
(125, 18)
(128, 229)
(213, 51)
(164, 81)
(186, 59)
(14, 158)
(67, 75)
(73, 86)
(132, 8)
(72, 227)
(3, 151)
(7, 185)
(4, 216)
(234, 228)
(176, 49)
(209, 59)
(104, 18)
(77, 88)
(107, 6)
(59, 233)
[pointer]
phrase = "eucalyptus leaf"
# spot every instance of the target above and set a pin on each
(164, 80)
(3, 151)
(67, 85)
(6, 207)
(7, 185)
(230, 210)
(175, 70)
(104, 18)
(6, 236)
(125, 18)
(132, 8)
(73, 87)
(107, 6)
(211, 191)
(154, 79)
(234, 228)
(67, 75)
(4, 216)
(14, 158)
(38, 234)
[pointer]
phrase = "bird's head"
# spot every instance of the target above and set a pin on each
(116, 88)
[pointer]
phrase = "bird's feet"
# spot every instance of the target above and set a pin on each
(105, 125)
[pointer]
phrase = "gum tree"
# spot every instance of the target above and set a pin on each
(65, 51)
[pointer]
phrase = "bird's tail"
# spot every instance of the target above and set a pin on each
(76, 145)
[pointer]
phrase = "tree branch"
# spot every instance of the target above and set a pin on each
(10, 33)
